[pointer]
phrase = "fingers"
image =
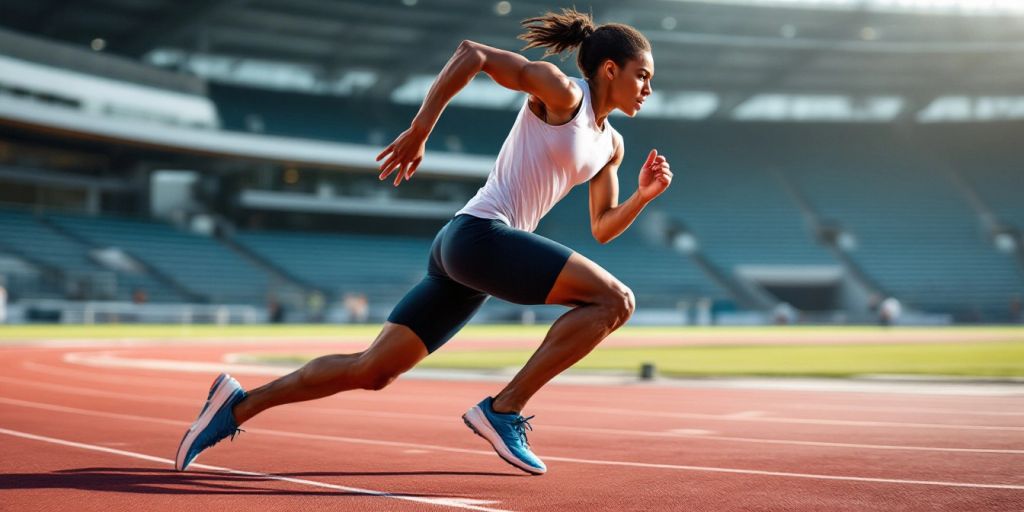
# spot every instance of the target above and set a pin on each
(662, 171)
(412, 168)
(400, 174)
(390, 163)
(386, 171)
(386, 151)
(650, 157)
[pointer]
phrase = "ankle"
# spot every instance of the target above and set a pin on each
(500, 406)
(239, 413)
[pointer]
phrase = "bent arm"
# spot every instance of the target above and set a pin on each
(511, 70)
(608, 218)
(542, 80)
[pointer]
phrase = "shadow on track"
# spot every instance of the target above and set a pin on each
(167, 481)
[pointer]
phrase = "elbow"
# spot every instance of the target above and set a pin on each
(470, 51)
(601, 237)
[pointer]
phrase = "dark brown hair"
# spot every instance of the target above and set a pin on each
(571, 29)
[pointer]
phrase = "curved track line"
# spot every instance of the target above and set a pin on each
(566, 428)
(441, 502)
(376, 442)
(158, 364)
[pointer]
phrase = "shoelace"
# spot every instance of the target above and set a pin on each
(521, 425)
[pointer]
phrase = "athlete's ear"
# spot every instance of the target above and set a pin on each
(609, 68)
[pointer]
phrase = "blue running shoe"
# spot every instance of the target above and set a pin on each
(506, 433)
(215, 421)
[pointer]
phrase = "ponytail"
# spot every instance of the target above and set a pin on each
(571, 30)
(557, 33)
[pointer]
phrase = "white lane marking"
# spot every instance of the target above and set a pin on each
(377, 442)
(800, 421)
(908, 388)
(442, 502)
(110, 360)
(595, 430)
(619, 412)
(745, 414)
(78, 390)
(415, 452)
(157, 382)
(690, 432)
(153, 382)
(898, 409)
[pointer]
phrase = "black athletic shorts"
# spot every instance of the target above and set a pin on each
(471, 259)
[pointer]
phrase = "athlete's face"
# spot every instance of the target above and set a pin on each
(631, 84)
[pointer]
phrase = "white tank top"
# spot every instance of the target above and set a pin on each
(539, 163)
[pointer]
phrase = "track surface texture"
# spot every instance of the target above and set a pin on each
(94, 426)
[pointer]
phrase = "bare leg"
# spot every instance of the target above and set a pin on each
(395, 351)
(602, 304)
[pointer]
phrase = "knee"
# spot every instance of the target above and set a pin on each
(620, 303)
(375, 377)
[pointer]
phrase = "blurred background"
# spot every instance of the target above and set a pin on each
(212, 161)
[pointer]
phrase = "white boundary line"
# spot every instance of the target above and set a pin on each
(113, 360)
(567, 428)
(112, 378)
(441, 502)
(376, 442)
(672, 434)
(595, 410)
(897, 409)
(799, 421)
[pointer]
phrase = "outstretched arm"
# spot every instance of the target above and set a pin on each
(608, 218)
(540, 79)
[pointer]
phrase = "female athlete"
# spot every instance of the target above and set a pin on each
(561, 138)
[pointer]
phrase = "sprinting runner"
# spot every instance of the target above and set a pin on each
(560, 139)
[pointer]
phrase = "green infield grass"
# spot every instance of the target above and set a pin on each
(722, 352)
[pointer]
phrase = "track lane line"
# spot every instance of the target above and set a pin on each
(442, 502)
(567, 428)
(490, 453)
(597, 410)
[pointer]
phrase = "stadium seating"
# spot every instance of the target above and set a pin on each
(202, 265)
(382, 267)
(658, 275)
(24, 233)
(742, 216)
(1002, 190)
(355, 121)
(917, 235)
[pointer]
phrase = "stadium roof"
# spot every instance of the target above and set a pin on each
(743, 59)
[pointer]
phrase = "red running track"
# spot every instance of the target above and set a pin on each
(76, 437)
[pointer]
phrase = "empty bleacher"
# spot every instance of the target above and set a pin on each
(201, 265)
(382, 267)
(27, 236)
(658, 275)
(917, 236)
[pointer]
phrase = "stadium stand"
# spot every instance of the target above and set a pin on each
(29, 237)
(659, 276)
(742, 216)
(916, 233)
(382, 267)
(199, 264)
(352, 120)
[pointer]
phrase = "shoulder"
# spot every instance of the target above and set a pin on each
(548, 83)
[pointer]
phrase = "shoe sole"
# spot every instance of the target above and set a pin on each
(477, 422)
(219, 395)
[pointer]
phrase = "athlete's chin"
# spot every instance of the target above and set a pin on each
(631, 111)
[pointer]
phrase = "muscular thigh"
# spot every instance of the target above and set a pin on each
(582, 281)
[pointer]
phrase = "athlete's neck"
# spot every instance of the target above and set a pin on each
(599, 100)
